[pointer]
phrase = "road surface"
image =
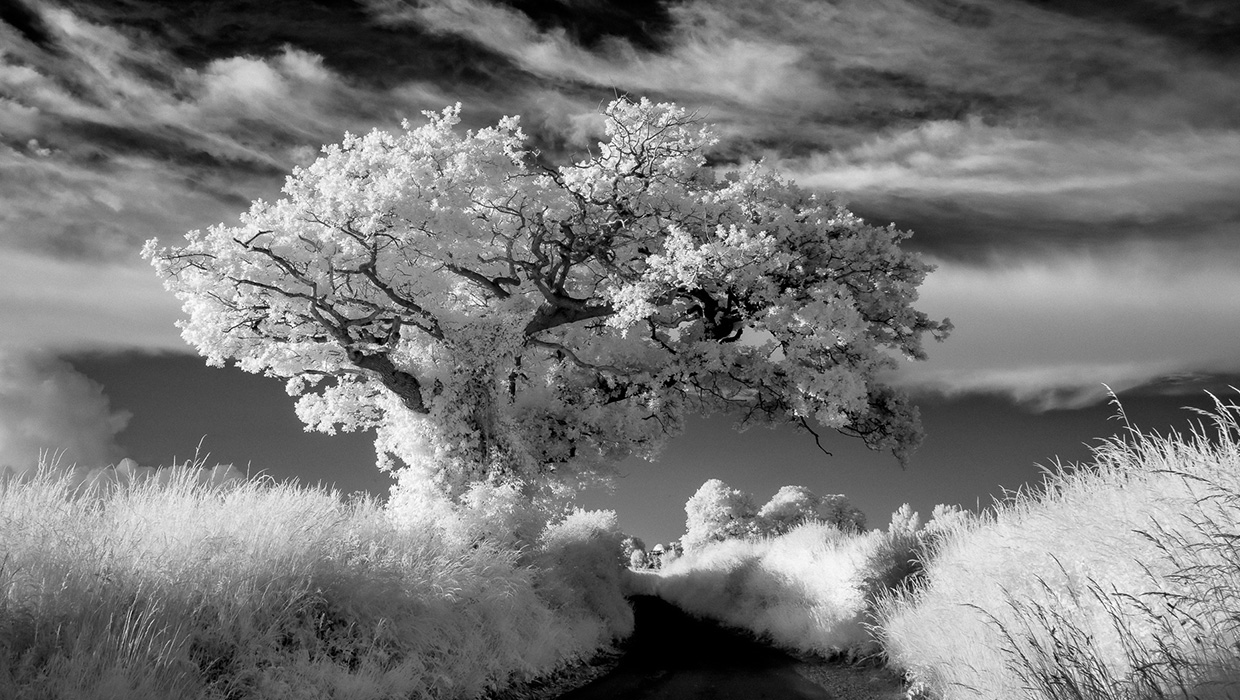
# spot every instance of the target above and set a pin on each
(672, 656)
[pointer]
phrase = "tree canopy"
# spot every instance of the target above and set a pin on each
(491, 315)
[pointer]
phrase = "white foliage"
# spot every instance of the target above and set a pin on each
(811, 589)
(904, 521)
(718, 512)
(794, 505)
(490, 317)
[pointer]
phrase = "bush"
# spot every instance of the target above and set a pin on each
(628, 545)
(579, 578)
(810, 590)
(638, 559)
(1120, 579)
(795, 505)
(717, 512)
(499, 513)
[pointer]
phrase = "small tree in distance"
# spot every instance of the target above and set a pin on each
(494, 318)
(718, 512)
(793, 505)
(630, 544)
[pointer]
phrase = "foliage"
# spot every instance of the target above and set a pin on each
(638, 559)
(490, 316)
(1120, 580)
(627, 545)
(577, 575)
(499, 514)
(811, 590)
(794, 505)
(717, 512)
(904, 521)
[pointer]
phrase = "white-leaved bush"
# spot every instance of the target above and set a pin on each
(494, 318)
(718, 512)
(794, 505)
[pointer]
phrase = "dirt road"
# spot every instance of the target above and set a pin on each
(672, 656)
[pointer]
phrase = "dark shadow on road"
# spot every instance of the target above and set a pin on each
(672, 656)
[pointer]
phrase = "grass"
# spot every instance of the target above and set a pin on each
(178, 588)
(1119, 579)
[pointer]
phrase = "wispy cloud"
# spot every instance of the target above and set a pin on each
(1050, 332)
(110, 140)
(1072, 177)
(972, 188)
(67, 305)
(705, 60)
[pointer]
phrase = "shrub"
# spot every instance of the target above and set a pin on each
(638, 559)
(627, 546)
(717, 512)
(502, 514)
(579, 578)
(810, 590)
(795, 505)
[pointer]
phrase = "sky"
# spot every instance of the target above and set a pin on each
(1072, 168)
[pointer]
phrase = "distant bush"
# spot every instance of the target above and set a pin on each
(810, 589)
(627, 546)
(718, 512)
(638, 559)
(796, 505)
(174, 588)
(1118, 580)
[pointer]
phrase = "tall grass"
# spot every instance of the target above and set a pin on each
(1117, 580)
(177, 588)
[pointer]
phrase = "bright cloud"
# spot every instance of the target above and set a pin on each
(1051, 332)
(68, 305)
(48, 407)
(1062, 177)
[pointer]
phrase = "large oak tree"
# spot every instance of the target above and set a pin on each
(492, 316)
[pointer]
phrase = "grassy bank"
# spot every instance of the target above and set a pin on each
(1118, 579)
(178, 588)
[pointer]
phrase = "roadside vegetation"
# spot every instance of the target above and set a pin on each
(1116, 580)
(180, 587)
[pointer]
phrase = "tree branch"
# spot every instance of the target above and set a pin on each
(550, 316)
(403, 384)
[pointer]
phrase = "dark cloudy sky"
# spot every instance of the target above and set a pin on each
(1071, 166)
